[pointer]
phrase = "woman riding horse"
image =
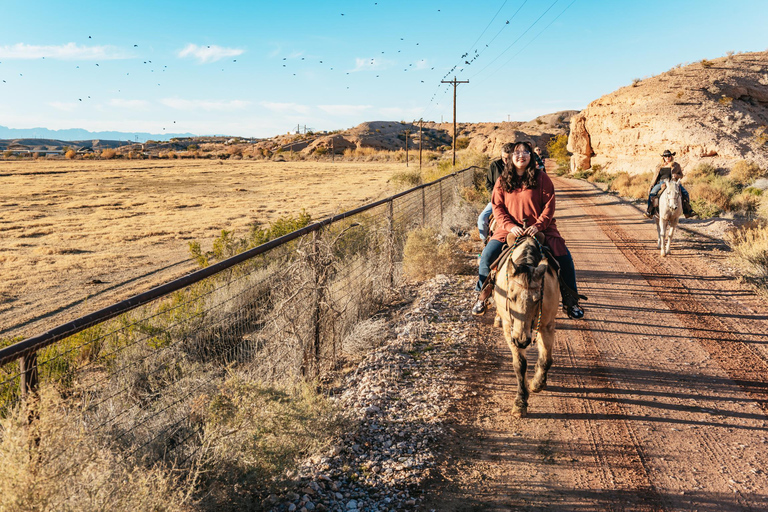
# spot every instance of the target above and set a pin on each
(523, 202)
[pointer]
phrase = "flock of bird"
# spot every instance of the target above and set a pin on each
(297, 64)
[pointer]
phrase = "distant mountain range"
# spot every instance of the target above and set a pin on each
(80, 134)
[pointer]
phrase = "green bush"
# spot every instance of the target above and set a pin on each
(557, 150)
(462, 143)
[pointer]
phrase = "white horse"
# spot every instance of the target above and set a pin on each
(670, 208)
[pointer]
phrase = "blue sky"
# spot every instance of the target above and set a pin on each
(254, 68)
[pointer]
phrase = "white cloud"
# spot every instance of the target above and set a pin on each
(131, 104)
(422, 64)
(371, 64)
(69, 51)
(63, 106)
(209, 105)
(344, 110)
(210, 53)
(285, 107)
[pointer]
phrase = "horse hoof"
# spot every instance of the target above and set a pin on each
(519, 412)
(538, 387)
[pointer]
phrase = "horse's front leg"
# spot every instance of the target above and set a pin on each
(662, 237)
(546, 341)
(659, 233)
(520, 364)
(670, 234)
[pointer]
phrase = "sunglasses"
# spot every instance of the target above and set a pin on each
(521, 153)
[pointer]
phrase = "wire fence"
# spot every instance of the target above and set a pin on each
(131, 373)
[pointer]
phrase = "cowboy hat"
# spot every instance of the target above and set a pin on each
(668, 153)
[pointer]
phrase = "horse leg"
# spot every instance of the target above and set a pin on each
(545, 342)
(659, 235)
(670, 234)
(520, 364)
(662, 236)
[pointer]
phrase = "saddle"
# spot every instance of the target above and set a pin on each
(569, 296)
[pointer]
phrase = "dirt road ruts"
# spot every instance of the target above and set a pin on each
(656, 401)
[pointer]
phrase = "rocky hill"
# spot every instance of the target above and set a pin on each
(714, 111)
(483, 137)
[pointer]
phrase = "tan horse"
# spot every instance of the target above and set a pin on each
(670, 208)
(527, 297)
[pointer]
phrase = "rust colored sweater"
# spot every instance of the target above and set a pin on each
(530, 206)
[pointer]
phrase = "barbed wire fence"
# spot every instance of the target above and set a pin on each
(131, 373)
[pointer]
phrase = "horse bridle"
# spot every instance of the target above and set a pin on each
(540, 302)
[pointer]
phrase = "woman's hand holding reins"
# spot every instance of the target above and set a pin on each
(516, 231)
(531, 231)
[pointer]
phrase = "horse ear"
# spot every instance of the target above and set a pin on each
(516, 268)
(540, 271)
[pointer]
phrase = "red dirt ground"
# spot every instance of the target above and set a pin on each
(658, 400)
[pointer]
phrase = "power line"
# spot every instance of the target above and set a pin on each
(489, 24)
(516, 40)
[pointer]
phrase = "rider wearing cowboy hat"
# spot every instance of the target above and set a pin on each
(675, 171)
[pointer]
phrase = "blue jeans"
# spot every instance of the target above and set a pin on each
(657, 187)
(489, 255)
(482, 222)
(494, 248)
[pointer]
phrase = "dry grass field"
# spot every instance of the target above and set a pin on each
(77, 236)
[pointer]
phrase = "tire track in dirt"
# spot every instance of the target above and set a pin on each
(691, 313)
(745, 366)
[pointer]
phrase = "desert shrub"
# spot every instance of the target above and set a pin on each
(750, 247)
(257, 432)
(725, 100)
(277, 228)
(761, 135)
(717, 191)
(636, 82)
(582, 174)
(428, 253)
(172, 154)
(745, 172)
(747, 201)
(702, 171)
(462, 143)
(55, 476)
(539, 121)
(600, 176)
(464, 159)
(108, 154)
(70, 154)
(558, 151)
(408, 179)
(192, 147)
(235, 151)
(321, 150)
(227, 245)
(707, 63)
(703, 209)
(631, 186)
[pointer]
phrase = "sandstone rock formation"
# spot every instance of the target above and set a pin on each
(714, 111)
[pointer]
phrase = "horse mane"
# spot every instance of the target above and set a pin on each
(528, 257)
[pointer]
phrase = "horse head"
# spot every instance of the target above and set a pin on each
(525, 283)
(672, 197)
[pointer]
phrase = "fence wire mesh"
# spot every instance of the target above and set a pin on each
(133, 381)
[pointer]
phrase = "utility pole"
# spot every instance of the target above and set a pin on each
(407, 133)
(455, 84)
(421, 122)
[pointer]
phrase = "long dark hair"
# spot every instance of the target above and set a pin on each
(511, 181)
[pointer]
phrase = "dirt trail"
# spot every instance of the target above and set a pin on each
(657, 401)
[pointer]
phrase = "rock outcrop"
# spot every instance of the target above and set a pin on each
(714, 111)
